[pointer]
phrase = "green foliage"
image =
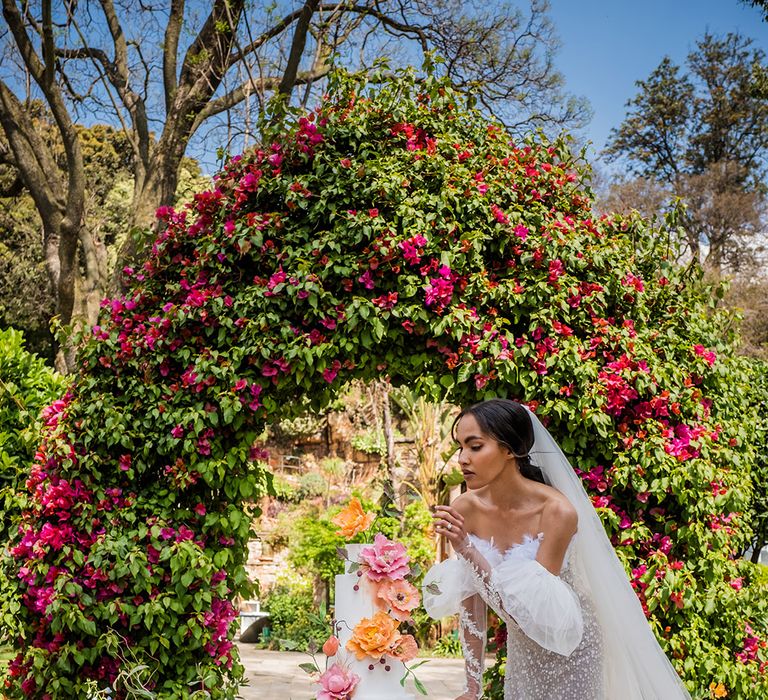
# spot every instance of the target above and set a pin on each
(447, 645)
(311, 485)
(315, 545)
(27, 384)
(293, 618)
(683, 122)
(283, 491)
(371, 442)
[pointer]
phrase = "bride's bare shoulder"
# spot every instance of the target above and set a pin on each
(466, 503)
(558, 510)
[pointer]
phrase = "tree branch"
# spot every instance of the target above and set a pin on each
(234, 97)
(170, 49)
(297, 48)
(31, 156)
(75, 173)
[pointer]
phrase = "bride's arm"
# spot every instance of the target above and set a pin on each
(473, 618)
(529, 592)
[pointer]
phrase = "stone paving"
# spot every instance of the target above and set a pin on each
(275, 675)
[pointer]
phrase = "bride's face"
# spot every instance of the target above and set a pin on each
(481, 457)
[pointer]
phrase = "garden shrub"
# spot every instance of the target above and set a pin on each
(294, 619)
(392, 232)
(27, 385)
(448, 645)
(311, 485)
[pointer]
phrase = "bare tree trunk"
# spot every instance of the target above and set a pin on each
(389, 437)
(59, 197)
(93, 286)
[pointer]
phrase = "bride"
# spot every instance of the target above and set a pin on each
(531, 546)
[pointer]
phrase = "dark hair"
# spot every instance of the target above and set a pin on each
(507, 422)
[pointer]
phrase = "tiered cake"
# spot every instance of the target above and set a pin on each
(356, 600)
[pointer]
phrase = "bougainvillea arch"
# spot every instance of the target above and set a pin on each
(394, 231)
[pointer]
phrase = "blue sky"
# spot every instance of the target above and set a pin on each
(607, 46)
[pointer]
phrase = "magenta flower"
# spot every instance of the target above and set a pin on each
(329, 373)
(338, 683)
(439, 291)
(124, 462)
(499, 215)
(521, 232)
(384, 560)
(556, 270)
(708, 355)
(366, 280)
(633, 281)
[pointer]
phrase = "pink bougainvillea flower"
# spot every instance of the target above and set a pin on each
(338, 683)
(499, 215)
(366, 280)
(384, 559)
(634, 281)
(329, 373)
(708, 355)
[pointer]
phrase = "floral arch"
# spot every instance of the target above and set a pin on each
(392, 231)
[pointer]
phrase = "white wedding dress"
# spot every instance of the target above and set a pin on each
(554, 645)
(581, 635)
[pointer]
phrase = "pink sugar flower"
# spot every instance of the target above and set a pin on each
(338, 683)
(384, 559)
(400, 597)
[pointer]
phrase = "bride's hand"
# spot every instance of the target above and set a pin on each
(449, 522)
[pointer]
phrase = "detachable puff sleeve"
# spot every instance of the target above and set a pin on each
(543, 605)
(445, 586)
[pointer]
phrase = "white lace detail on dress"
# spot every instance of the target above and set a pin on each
(545, 623)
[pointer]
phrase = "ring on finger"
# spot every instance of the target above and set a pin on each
(449, 526)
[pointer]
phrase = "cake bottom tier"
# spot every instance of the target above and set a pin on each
(382, 682)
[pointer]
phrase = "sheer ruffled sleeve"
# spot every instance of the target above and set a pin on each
(450, 587)
(543, 605)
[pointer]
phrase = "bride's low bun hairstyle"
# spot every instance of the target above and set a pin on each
(507, 422)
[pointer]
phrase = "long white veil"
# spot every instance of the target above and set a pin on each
(636, 667)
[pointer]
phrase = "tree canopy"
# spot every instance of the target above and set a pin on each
(702, 134)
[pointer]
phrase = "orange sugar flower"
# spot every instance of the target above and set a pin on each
(352, 519)
(373, 637)
(404, 648)
(400, 597)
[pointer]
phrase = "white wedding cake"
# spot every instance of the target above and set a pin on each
(356, 600)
